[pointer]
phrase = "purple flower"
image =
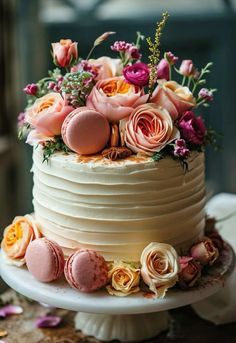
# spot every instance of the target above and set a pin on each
(31, 89)
(137, 74)
(48, 321)
(192, 128)
(10, 309)
(163, 70)
(180, 149)
(187, 68)
(121, 46)
(205, 94)
(171, 58)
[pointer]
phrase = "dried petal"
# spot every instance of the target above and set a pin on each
(3, 333)
(48, 321)
(10, 309)
(103, 37)
(115, 153)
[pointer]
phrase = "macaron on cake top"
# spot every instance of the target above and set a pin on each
(45, 259)
(85, 131)
(86, 270)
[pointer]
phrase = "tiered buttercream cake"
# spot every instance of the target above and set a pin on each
(119, 207)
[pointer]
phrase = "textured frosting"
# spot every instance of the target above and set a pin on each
(118, 208)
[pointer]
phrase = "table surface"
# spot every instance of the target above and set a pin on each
(185, 326)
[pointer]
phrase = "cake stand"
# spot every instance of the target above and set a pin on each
(133, 318)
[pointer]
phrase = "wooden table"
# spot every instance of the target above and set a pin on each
(185, 326)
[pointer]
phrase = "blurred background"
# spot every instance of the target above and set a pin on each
(199, 30)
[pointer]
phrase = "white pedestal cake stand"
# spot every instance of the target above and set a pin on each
(133, 318)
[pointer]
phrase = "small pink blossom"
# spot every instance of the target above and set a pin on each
(121, 46)
(163, 70)
(192, 128)
(205, 94)
(137, 74)
(190, 272)
(134, 53)
(21, 119)
(171, 58)
(48, 321)
(31, 89)
(187, 68)
(180, 149)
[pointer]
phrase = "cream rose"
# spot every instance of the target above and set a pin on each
(149, 129)
(173, 97)
(159, 267)
(124, 279)
(16, 238)
(47, 114)
(106, 67)
(115, 98)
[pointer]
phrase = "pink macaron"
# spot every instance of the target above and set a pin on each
(86, 270)
(45, 259)
(85, 131)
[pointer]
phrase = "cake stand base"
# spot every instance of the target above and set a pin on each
(125, 328)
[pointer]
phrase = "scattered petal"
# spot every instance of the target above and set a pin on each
(3, 333)
(10, 309)
(48, 321)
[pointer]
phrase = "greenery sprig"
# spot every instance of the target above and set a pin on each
(154, 48)
(51, 146)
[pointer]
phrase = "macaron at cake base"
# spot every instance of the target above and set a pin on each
(45, 260)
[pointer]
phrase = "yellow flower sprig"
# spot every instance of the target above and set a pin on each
(154, 48)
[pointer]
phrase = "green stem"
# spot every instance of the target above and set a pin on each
(183, 81)
(90, 52)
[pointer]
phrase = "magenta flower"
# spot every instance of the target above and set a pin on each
(187, 68)
(134, 53)
(192, 128)
(48, 321)
(163, 70)
(31, 89)
(180, 149)
(137, 74)
(171, 58)
(205, 94)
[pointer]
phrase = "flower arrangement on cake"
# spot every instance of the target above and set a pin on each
(116, 107)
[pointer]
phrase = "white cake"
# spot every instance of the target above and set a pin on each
(119, 207)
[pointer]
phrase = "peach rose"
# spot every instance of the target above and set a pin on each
(160, 267)
(106, 67)
(173, 97)
(16, 238)
(149, 129)
(124, 279)
(65, 52)
(47, 114)
(115, 98)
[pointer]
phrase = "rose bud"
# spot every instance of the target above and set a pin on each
(205, 252)
(163, 70)
(65, 53)
(137, 74)
(205, 94)
(187, 68)
(171, 58)
(31, 89)
(190, 272)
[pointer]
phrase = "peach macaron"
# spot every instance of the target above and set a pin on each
(85, 131)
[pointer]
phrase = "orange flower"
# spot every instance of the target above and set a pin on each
(16, 238)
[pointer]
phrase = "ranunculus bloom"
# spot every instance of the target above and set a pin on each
(47, 114)
(137, 74)
(124, 279)
(115, 98)
(16, 238)
(190, 272)
(205, 252)
(163, 70)
(173, 97)
(149, 129)
(106, 67)
(187, 68)
(160, 267)
(65, 52)
(192, 128)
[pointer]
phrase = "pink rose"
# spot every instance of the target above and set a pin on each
(173, 97)
(190, 272)
(163, 69)
(115, 98)
(149, 129)
(106, 67)
(205, 252)
(65, 52)
(137, 74)
(192, 128)
(187, 68)
(47, 114)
